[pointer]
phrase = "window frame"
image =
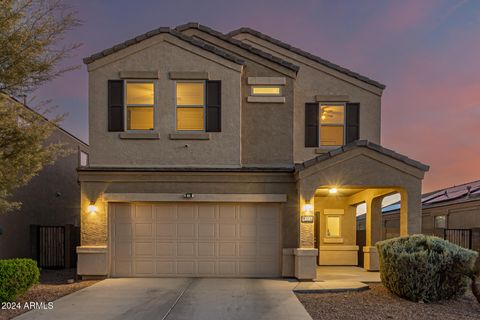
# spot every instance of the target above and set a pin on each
(155, 103)
(204, 106)
(333, 213)
(280, 91)
(344, 124)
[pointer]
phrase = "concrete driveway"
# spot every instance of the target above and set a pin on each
(179, 298)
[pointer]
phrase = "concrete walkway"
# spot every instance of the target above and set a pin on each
(179, 298)
(346, 273)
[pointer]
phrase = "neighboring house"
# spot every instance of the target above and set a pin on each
(232, 155)
(50, 199)
(445, 213)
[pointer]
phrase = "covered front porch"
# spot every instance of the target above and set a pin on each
(332, 185)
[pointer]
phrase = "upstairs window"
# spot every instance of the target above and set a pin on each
(266, 91)
(140, 97)
(190, 106)
(332, 124)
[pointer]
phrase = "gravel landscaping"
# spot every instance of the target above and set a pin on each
(53, 285)
(379, 303)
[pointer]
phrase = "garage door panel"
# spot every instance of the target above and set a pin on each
(165, 268)
(123, 249)
(186, 231)
(186, 249)
(143, 213)
(123, 230)
(144, 267)
(248, 214)
(206, 249)
(227, 231)
(207, 212)
(227, 249)
(123, 267)
(186, 213)
(248, 231)
(207, 268)
(226, 212)
(186, 267)
(166, 249)
(247, 268)
(227, 268)
(192, 239)
(123, 213)
(165, 212)
(206, 230)
(248, 250)
(166, 230)
(144, 249)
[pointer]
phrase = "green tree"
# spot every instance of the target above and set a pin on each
(31, 53)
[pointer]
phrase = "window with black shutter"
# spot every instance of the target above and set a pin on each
(115, 105)
(311, 125)
(214, 106)
(352, 122)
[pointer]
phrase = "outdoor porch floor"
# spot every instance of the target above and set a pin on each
(346, 273)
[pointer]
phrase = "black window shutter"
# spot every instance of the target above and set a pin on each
(115, 105)
(352, 122)
(311, 125)
(214, 106)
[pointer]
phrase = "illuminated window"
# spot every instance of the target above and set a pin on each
(265, 91)
(190, 101)
(440, 222)
(140, 98)
(332, 125)
(333, 226)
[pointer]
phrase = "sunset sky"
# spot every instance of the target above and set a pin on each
(426, 52)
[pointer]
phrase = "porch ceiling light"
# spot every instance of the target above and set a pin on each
(92, 208)
(332, 190)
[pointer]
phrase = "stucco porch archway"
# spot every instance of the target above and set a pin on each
(359, 172)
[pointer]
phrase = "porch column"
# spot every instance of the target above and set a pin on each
(373, 226)
(411, 210)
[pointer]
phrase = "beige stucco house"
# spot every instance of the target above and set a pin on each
(232, 155)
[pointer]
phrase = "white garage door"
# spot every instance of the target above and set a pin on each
(195, 239)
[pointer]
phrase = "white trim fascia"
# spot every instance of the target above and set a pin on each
(180, 197)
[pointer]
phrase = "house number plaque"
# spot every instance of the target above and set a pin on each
(307, 219)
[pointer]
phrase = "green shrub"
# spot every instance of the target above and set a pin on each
(424, 268)
(16, 276)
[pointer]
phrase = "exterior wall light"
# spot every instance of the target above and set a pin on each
(308, 208)
(92, 208)
(332, 190)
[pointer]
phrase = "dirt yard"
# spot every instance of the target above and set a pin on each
(53, 285)
(379, 303)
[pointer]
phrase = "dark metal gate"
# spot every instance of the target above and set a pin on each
(461, 237)
(51, 247)
(361, 242)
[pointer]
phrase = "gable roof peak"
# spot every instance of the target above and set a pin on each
(165, 30)
(238, 43)
(306, 54)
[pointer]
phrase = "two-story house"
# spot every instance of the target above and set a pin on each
(232, 155)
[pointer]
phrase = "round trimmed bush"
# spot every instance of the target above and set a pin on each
(16, 277)
(424, 268)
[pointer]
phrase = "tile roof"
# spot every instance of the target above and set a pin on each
(165, 30)
(362, 144)
(238, 43)
(307, 55)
